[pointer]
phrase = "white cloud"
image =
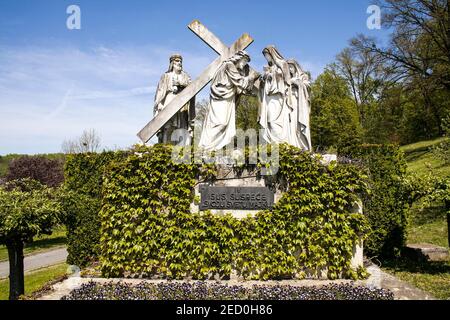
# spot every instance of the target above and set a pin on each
(113, 94)
(48, 95)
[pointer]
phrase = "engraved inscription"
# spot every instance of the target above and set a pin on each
(236, 198)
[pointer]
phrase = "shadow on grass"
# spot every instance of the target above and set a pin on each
(442, 165)
(405, 264)
(416, 154)
(428, 214)
(42, 244)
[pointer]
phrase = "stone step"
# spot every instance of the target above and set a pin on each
(427, 252)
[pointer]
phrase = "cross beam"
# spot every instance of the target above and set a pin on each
(198, 84)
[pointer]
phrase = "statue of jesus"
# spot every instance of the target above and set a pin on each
(230, 80)
(172, 82)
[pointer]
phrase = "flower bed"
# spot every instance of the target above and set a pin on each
(218, 291)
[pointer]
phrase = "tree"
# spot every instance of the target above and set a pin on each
(247, 113)
(47, 171)
(365, 76)
(420, 42)
(89, 141)
(201, 108)
(419, 48)
(442, 150)
(387, 118)
(27, 209)
(334, 115)
(430, 189)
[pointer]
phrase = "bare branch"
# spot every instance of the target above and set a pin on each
(89, 141)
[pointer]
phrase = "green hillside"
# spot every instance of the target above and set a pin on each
(421, 160)
(427, 225)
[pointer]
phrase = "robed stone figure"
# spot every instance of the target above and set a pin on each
(171, 83)
(232, 78)
(276, 97)
(299, 128)
(285, 103)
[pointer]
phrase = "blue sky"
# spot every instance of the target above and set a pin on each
(56, 82)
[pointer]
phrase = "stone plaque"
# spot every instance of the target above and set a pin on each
(236, 198)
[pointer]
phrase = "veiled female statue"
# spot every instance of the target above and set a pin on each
(230, 80)
(275, 96)
(299, 131)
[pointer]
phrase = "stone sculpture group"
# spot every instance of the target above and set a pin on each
(282, 89)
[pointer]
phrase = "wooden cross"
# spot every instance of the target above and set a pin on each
(198, 84)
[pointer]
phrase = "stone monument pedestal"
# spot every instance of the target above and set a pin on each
(235, 194)
(230, 184)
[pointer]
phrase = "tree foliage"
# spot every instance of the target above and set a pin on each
(442, 150)
(82, 202)
(247, 113)
(417, 57)
(27, 209)
(334, 115)
(40, 168)
(387, 204)
(401, 89)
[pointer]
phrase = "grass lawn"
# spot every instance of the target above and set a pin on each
(433, 277)
(428, 225)
(422, 161)
(42, 243)
(35, 280)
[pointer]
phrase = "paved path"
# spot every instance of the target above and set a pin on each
(401, 289)
(377, 279)
(36, 261)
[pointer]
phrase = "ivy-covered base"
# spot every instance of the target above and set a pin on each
(147, 228)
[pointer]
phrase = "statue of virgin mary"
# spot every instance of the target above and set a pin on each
(275, 95)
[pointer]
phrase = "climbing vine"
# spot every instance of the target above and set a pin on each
(147, 227)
